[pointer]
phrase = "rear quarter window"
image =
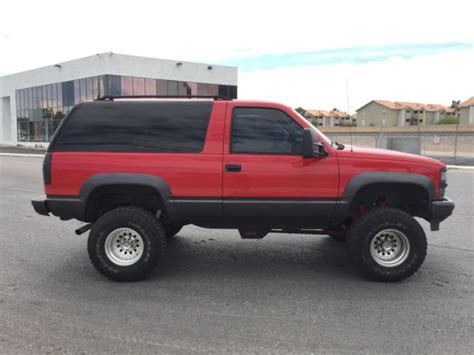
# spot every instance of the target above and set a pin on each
(168, 127)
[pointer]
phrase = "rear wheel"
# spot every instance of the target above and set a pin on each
(387, 244)
(126, 243)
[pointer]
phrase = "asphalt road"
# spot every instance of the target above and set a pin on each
(214, 292)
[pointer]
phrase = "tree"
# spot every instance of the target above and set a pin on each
(455, 105)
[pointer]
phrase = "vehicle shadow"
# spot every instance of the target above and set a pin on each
(273, 258)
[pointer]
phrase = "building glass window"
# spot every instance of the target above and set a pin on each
(40, 109)
(114, 85)
(67, 93)
(44, 96)
(89, 93)
(77, 92)
(102, 85)
(54, 95)
(95, 87)
(29, 100)
(150, 87)
(60, 94)
(22, 94)
(183, 89)
(49, 95)
(223, 90)
(202, 89)
(138, 86)
(193, 87)
(172, 88)
(38, 97)
(213, 90)
(36, 131)
(127, 86)
(161, 87)
(83, 90)
(232, 92)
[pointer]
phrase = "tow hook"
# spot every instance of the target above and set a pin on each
(83, 229)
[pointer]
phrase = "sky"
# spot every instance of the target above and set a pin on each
(314, 54)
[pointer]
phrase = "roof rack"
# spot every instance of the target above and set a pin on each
(111, 98)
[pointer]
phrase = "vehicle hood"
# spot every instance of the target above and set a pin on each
(386, 154)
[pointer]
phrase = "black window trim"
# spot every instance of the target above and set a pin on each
(64, 122)
(259, 153)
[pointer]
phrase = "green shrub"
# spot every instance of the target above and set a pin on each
(448, 120)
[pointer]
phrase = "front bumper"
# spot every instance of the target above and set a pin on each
(440, 210)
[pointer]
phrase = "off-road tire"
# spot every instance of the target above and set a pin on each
(365, 228)
(171, 230)
(141, 221)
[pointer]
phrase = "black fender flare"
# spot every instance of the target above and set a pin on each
(153, 181)
(359, 181)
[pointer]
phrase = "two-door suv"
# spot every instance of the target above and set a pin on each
(137, 170)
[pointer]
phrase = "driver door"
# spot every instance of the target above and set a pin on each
(266, 179)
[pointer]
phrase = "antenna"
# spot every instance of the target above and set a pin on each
(349, 113)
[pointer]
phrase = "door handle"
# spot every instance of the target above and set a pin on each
(232, 168)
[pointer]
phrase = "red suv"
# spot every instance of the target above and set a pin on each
(137, 170)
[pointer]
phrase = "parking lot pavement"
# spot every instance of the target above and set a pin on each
(214, 292)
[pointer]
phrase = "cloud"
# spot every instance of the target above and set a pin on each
(297, 52)
(353, 55)
(437, 78)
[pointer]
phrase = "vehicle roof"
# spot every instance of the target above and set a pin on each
(240, 102)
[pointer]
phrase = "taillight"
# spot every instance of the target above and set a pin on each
(47, 168)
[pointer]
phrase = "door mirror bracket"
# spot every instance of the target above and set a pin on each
(311, 147)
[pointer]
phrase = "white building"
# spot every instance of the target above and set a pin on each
(34, 102)
(467, 111)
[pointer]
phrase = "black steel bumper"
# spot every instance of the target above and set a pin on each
(440, 210)
(40, 206)
(63, 207)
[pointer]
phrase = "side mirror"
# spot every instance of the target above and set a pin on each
(311, 147)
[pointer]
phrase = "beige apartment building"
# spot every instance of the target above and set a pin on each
(388, 113)
(467, 111)
(333, 118)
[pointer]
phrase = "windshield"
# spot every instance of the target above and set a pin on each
(321, 134)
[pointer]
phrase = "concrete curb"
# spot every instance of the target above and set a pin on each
(460, 167)
(21, 155)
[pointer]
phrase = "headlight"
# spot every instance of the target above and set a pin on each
(443, 178)
(443, 182)
(444, 175)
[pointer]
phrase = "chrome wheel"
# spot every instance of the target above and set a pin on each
(124, 246)
(389, 248)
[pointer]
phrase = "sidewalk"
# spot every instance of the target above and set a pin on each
(21, 150)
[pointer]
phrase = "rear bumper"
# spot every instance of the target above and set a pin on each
(39, 204)
(440, 210)
(63, 207)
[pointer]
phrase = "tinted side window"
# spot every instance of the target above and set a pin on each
(265, 131)
(170, 127)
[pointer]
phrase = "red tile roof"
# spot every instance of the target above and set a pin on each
(400, 105)
(323, 113)
(468, 102)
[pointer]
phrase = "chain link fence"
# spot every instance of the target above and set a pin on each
(455, 147)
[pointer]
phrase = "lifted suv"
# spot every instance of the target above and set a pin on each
(138, 170)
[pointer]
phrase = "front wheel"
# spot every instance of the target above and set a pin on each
(387, 244)
(126, 243)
